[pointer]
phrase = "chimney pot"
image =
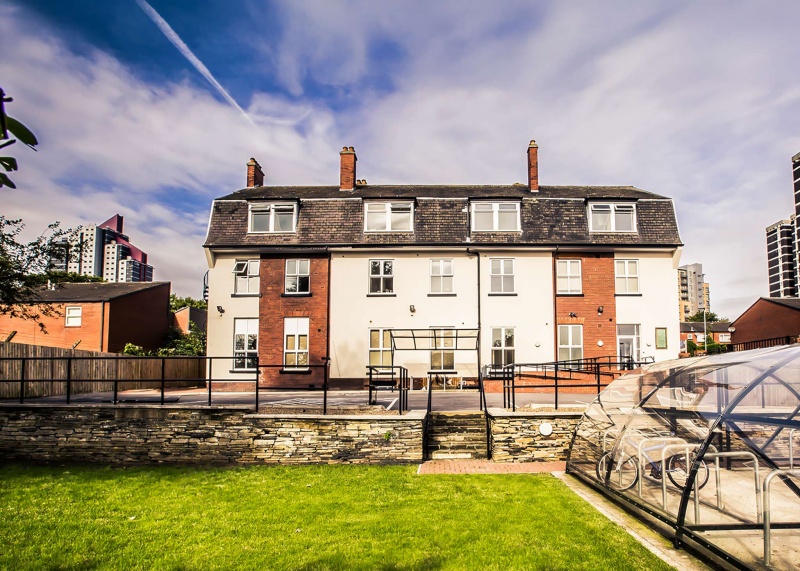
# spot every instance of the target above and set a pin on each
(533, 166)
(347, 169)
(255, 176)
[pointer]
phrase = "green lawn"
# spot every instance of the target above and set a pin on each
(311, 517)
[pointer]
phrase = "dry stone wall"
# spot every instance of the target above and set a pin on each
(516, 436)
(135, 435)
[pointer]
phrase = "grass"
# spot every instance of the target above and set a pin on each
(310, 517)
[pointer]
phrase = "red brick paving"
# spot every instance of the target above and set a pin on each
(488, 467)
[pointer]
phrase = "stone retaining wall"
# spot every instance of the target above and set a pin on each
(516, 436)
(148, 434)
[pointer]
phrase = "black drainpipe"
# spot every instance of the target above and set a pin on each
(480, 372)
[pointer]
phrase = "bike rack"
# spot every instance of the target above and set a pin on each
(767, 496)
(640, 454)
(743, 454)
(686, 447)
(791, 448)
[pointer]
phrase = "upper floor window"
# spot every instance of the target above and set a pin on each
(626, 276)
(502, 275)
(612, 218)
(441, 276)
(247, 279)
(568, 276)
(388, 216)
(277, 217)
(495, 216)
(381, 276)
(74, 315)
(297, 276)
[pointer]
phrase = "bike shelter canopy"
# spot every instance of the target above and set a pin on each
(439, 338)
(707, 446)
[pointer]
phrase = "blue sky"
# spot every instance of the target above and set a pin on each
(699, 101)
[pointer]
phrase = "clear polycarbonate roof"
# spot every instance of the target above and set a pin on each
(708, 446)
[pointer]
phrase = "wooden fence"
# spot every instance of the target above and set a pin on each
(39, 366)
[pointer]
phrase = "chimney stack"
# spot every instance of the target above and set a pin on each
(533, 166)
(255, 176)
(347, 172)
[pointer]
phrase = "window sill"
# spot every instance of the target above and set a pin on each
(381, 295)
(296, 294)
(242, 371)
(627, 295)
(442, 295)
(443, 372)
(302, 371)
(569, 295)
(245, 295)
(388, 231)
(499, 294)
(473, 231)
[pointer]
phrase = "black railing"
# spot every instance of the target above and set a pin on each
(109, 373)
(763, 343)
(389, 378)
(601, 368)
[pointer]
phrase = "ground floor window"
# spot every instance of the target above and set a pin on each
(245, 344)
(502, 346)
(570, 342)
(442, 350)
(295, 346)
(380, 348)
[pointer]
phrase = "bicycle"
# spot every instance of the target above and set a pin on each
(624, 474)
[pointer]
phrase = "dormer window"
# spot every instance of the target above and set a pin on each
(495, 217)
(273, 218)
(612, 218)
(388, 217)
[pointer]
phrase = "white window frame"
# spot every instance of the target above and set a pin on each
(724, 337)
(271, 210)
(381, 277)
(246, 327)
(443, 345)
(626, 277)
(503, 275)
(382, 349)
(294, 330)
(382, 212)
(566, 341)
(566, 270)
(440, 275)
(495, 208)
(612, 210)
(503, 348)
(73, 316)
(246, 272)
(294, 272)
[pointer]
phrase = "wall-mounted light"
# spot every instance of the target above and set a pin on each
(412, 309)
(572, 314)
(600, 310)
(220, 309)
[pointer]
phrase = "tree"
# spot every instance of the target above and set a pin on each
(711, 317)
(58, 277)
(176, 343)
(21, 132)
(23, 269)
(176, 303)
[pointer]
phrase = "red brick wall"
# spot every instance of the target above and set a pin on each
(141, 318)
(274, 306)
(58, 335)
(765, 320)
(597, 272)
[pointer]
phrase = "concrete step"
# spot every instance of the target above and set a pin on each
(455, 435)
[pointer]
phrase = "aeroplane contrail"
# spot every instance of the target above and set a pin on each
(170, 34)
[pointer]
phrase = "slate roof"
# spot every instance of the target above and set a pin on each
(556, 215)
(93, 291)
(791, 302)
(697, 327)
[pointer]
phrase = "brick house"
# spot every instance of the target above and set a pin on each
(97, 317)
(303, 273)
(717, 332)
(768, 318)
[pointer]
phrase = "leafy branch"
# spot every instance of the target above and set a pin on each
(21, 134)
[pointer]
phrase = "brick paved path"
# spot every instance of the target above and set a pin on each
(488, 467)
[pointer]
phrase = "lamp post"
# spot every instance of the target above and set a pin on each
(705, 332)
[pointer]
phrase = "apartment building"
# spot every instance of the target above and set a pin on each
(302, 274)
(105, 251)
(693, 291)
(783, 240)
